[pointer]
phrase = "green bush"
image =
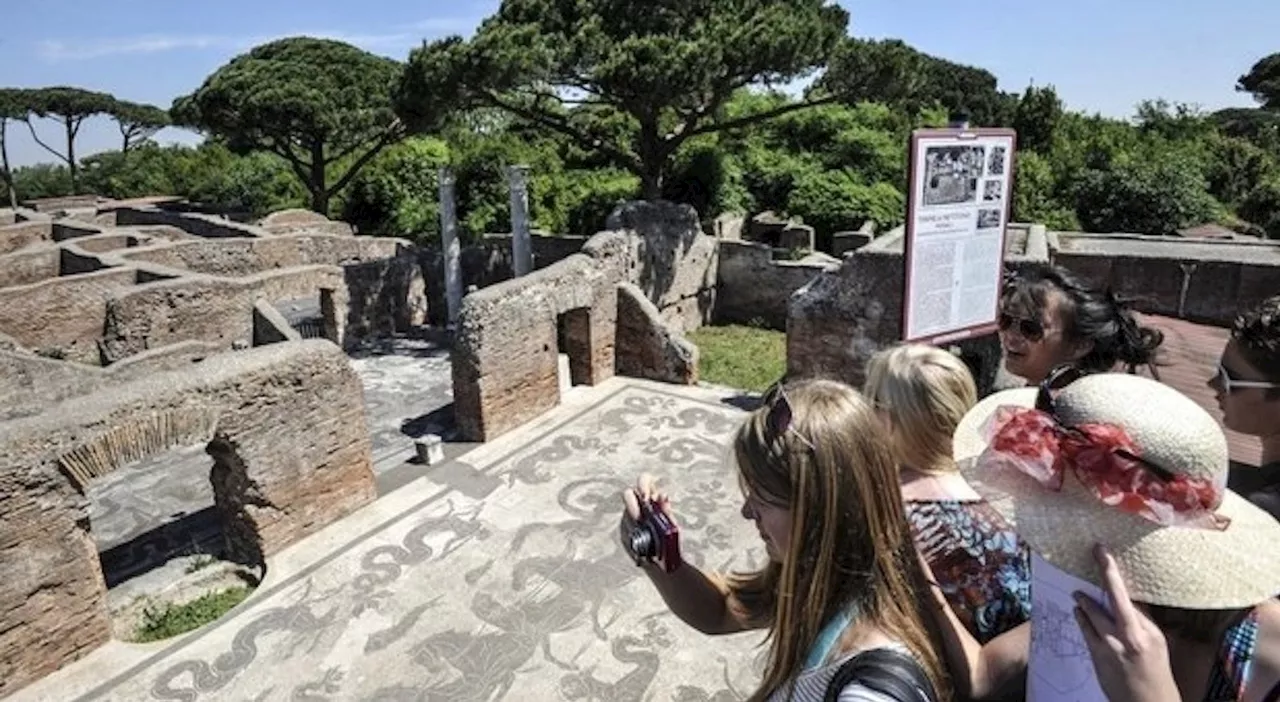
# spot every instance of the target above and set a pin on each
(171, 620)
(1262, 207)
(1156, 196)
(397, 193)
(1035, 197)
(40, 181)
(833, 201)
(589, 196)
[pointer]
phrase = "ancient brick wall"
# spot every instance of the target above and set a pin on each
(217, 310)
(63, 315)
(649, 348)
(671, 260)
(69, 229)
(246, 257)
(506, 352)
(752, 288)
(384, 296)
(292, 455)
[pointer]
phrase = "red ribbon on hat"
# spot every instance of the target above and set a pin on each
(1106, 461)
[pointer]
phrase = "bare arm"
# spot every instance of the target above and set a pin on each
(996, 670)
(701, 600)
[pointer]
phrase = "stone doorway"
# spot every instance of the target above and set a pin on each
(573, 340)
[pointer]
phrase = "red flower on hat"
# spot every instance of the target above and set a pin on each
(1107, 461)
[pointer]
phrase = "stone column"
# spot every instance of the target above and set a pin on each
(451, 250)
(521, 246)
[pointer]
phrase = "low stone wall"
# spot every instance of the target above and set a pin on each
(23, 234)
(68, 229)
(245, 257)
(270, 327)
(102, 243)
(1204, 281)
(216, 310)
(63, 316)
(753, 288)
(291, 450)
(30, 266)
(647, 347)
(202, 225)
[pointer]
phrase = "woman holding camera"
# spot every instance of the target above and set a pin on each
(840, 596)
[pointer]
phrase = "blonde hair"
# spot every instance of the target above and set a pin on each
(850, 544)
(925, 391)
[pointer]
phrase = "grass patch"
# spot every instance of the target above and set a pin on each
(163, 622)
(747, 358)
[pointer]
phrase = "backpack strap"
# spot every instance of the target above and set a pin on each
(887, 671)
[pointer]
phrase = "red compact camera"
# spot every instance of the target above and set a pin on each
(654, 537)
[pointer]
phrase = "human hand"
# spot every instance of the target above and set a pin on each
(1129, 652)
(637, 501)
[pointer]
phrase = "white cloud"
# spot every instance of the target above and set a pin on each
(57, 51)
(52, 50)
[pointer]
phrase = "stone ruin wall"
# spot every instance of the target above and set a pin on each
(291, 453)
(622, 304)
(96, 294)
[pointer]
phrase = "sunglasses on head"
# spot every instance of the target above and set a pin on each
(1030, 329)
(1230, 385)
(779, 418)
(1058, 378)
(1064, 375)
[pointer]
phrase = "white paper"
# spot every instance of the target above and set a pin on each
(956, 232)
(1060, 669)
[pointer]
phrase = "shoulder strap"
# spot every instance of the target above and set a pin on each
(887, 671)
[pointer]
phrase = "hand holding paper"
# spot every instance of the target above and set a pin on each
(1129, 652)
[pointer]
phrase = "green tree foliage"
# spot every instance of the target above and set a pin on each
(1036, 119)
(1149, 196)
(1262, 206)
(652, 76)
(1263, 82)
(397, 193)
(137, 122)
(315, 103)
(41, 180)
(837, 200)
(891, 72)
(70, 107)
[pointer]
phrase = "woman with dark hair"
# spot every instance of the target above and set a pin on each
(842, 597)
(1050, 318)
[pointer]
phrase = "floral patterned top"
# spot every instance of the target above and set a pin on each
(982, 566)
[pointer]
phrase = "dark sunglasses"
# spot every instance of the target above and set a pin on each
(778, 421)
(1030, 329)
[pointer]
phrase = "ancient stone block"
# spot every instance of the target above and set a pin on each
(647, 347)
(292, 454)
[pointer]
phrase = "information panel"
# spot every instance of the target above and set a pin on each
(957, 210)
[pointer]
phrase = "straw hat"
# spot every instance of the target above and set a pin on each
(1187, 565)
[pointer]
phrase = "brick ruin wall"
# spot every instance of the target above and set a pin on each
(291, 452)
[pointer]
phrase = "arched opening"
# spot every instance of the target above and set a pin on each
(161, 538)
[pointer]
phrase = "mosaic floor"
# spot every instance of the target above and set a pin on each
(495, 577)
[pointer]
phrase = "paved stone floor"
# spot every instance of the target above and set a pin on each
(494, 577)
(408, 393)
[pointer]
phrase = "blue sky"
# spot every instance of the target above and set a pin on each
(1102, 55)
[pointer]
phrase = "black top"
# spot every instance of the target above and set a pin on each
(1260, 485)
